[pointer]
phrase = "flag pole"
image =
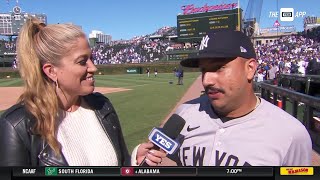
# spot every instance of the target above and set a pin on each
(239, 27)
(278, 18)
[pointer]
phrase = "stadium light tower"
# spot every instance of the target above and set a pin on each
(252, 16)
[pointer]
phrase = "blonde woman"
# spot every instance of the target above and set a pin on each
(58, 120)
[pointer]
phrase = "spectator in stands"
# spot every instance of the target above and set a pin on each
(294, 67)
(260, 76)
(281, 66)
(58, 120)
(272, 71)
(313, 67)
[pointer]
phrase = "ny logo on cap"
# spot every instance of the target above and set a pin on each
(242, 49)
(204, 42)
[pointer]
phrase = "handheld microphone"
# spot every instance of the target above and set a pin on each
(164, 137)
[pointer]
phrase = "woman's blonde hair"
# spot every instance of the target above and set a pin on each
(39, 44)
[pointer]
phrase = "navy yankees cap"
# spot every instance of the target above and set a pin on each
(222, 44)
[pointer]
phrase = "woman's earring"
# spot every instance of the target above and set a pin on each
(57, 84)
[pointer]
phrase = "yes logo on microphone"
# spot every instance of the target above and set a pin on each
(164, 142)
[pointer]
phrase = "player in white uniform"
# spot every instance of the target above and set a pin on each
(230, 126)
(266, 136)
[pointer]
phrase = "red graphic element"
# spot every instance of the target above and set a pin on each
(127, 171)
(276, 24)
(190, 9)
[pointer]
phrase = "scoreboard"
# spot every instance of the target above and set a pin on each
(11, 23)
(192, 27)
(180, 55)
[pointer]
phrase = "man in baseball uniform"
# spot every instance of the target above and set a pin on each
(229, 125)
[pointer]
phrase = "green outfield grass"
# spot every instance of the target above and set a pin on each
(147, 104)
(142, 108)
(12, 82)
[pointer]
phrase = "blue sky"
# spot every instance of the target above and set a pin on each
(124, 19)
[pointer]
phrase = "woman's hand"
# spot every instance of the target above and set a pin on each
(152, 157)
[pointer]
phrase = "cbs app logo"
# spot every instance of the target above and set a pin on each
(286, 14)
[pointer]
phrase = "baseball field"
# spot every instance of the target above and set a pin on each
(141, 102)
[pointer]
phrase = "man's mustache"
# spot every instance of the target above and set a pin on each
(213, 89)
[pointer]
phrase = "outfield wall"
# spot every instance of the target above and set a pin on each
(162, 67)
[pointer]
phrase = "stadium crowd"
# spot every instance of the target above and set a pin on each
(294, 54)
(137, 50)
(289, 54)
(146, 48)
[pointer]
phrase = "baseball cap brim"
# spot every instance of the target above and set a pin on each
(193, 62)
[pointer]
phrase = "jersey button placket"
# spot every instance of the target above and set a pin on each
(221, 131)
(218, 143)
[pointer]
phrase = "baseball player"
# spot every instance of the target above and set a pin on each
(229, 125)
(148, 72)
